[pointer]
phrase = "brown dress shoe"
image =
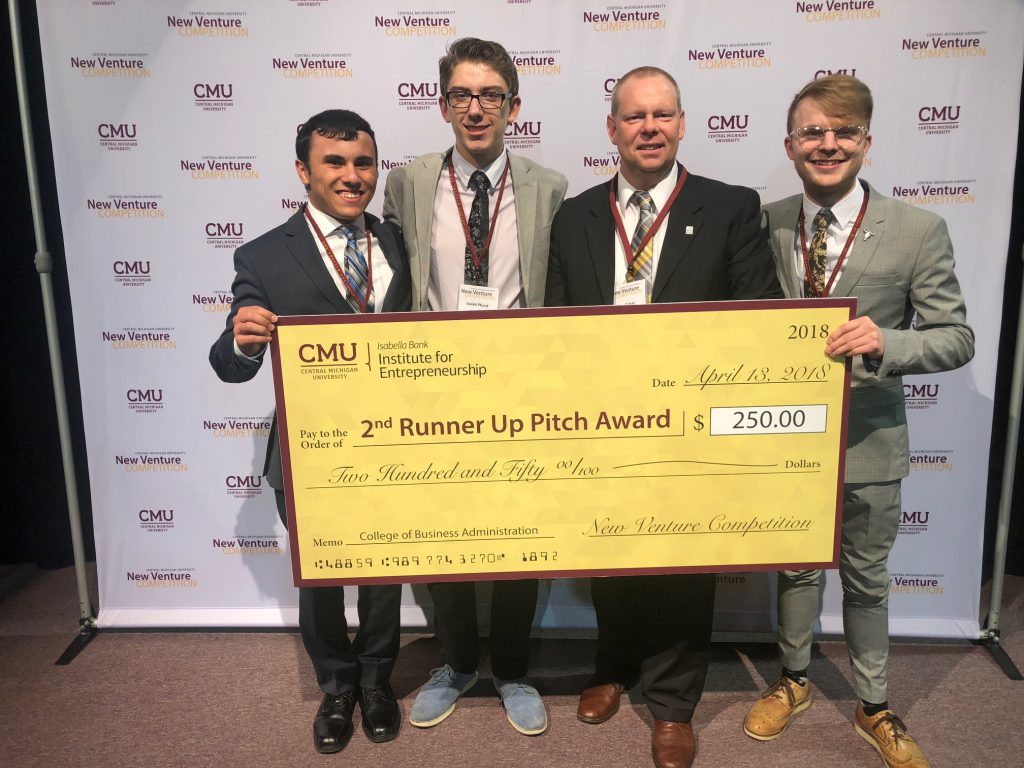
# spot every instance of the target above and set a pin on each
(888, 735)
(599, 702)
(673, 745)
(771, 714)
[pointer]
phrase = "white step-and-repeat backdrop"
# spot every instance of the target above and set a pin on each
(173, 127)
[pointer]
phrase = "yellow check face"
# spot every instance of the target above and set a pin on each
(585, 441)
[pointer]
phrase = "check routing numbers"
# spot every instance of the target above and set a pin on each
(565, 441)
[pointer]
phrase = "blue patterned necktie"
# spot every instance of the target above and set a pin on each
(643, 264)
(478, 224)
(355, 270)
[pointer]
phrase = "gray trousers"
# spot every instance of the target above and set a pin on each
(871, 518)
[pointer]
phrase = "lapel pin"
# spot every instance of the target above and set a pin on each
(867, 234)
(689, 229)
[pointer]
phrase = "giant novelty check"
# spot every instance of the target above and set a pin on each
(562, 442)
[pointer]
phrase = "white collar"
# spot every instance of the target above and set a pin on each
(660, 192)
(464, 169)
(843, 212)
(329, 224)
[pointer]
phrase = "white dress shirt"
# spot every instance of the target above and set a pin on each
(660, 193)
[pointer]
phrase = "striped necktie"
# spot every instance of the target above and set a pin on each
(643, 264)
(355, 270)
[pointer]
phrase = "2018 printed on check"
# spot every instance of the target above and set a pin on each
(562, 442)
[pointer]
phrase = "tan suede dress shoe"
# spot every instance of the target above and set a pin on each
(888, 735)
(673, 745)
(770, 715)
(599, 702)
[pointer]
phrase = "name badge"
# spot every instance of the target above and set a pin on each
(477, 297)
(631, 293)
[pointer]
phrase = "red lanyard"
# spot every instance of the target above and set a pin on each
(363, 301)
(613, 192)
(842, 256)
(477, 257)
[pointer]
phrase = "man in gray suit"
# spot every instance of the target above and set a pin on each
(476, 221)
(842, 238)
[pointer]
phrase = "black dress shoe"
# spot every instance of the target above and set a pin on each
(381, 715)
(332, 727)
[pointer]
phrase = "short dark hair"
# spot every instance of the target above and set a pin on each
(479, 51)
(331, 124)
(646, 71)
(839, 95)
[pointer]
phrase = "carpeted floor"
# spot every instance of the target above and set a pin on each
(239, 699)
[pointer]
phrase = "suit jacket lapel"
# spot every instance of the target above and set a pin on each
(302, 247)
(525, 190)
(391, 253)
(863, 251)
(783, 230)
(601, 236)
(686, 211)
(424, 189)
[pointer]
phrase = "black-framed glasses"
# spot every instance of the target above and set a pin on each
(488, 99)
(846, 136)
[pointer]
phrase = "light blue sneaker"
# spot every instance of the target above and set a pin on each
(436, 699)
(523, 706)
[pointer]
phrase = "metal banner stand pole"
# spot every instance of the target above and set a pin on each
(990, 635)
(44, 266)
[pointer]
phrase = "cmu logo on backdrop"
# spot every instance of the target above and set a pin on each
(945, 45)
(838, 10)
(243, 486)
(728, 129)
(118, 137)
(938, 120)
(132, 273)
(213, 97)
(417, 24)
(209, 24)
(627, 18)
(914, 522)
(418, 97)
(921, 396)
(156, 520)
(224, 234)
(144, 400)
(522, 135)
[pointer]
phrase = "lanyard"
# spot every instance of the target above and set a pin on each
(808, 277)
(362, 301)
(613, 191)
(477, 257)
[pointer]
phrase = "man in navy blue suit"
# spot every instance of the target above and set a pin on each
(330, 257)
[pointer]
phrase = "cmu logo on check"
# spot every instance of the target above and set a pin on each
(332, 353)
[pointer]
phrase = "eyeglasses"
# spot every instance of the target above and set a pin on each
(846, 136)
(487, 99)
